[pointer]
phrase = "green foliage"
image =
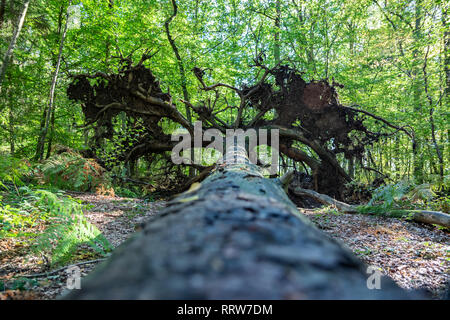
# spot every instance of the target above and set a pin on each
(68, 230)
(389, 196)
(441, 203)
(18, 284)
(328, 210)
(393, 198)
(386, 198)
(19, 214)
(422, 192)
(126, 192)
(375, 49)
(14, 220)
(13, 171)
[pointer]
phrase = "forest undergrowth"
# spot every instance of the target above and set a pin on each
(66, 211)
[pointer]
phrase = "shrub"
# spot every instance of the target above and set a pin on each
(70, 171)
(404, 195)
(13, 172)
(66, 227)
(68, 230)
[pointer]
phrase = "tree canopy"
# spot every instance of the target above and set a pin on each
(388, 58)
(92, 93)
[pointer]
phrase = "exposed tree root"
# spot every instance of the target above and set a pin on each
(305, 113)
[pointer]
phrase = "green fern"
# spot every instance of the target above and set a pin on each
(70, 171)
(386, 198)
(393, 199)
(12, 172)
(69, 229)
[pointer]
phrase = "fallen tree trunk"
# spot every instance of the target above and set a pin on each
(425, 216)
(236, 235)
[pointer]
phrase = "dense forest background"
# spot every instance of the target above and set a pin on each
(392, 59)
(388, 58)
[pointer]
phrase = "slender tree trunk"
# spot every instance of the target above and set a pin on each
(396, 160)
(11, 123)
(276, 45)
(51, 135)
(52, 120)
(432, 124)
(417, 143)
(182, 72)
(108, 40)
(327, 45)
(179, 60)
(446, 39)
(12, 44)
(351, 167)
(446, 53)
(310, 49)
(43, 135)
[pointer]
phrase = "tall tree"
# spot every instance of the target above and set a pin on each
(181, 69)
(417, 143)
(178, 57)
(446, 40)
(276, 44)
(12, 44)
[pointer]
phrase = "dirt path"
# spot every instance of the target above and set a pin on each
(414, 255)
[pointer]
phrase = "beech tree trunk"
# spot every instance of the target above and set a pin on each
(48, 114)
(236, 235)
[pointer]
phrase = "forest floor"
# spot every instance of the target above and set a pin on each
(414, 255)
(117, 218)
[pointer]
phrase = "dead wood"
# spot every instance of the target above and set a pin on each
(306, 113)
(425, 216)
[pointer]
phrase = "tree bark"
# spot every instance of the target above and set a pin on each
(236, 235)
(417, 143)
(324, 199)
(12, 44)
(51, 135)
